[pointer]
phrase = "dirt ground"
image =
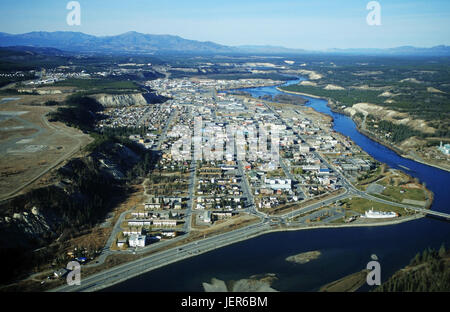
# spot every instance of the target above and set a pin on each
(280, 210)
(30, 146)
(222, 225)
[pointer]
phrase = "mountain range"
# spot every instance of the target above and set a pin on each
(134, 42)
(130, 42)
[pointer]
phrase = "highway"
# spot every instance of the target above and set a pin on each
(314, 206)
(347, 184)
(351, 189)
(128, 270)
(131, 269)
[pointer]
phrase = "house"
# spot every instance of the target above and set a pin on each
(139, 214)
(206, 216)
(311, 168)
(200, 206)
(303, 149)
(278, 184)
(172, 200)
(136, 240)
(152, 206)
(168, 233)
(177, 205)
(128, 232)
(121, 242)
(445, 149)
(140, 222)
(165, 222)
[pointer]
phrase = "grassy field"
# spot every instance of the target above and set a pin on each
(398, 193)
(361, 205)
(282, 209)
(370, 177)
(278, 173)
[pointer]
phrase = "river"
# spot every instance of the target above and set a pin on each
(344, 250)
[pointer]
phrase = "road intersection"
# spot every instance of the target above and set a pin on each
(266, 224)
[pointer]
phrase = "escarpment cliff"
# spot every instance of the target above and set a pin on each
(114, 100)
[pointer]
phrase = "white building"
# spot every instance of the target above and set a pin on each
(136, 240)
(206, 216)
(278, 184)
(444, 148)
(141, 222)
(303, 148)
(160, 222)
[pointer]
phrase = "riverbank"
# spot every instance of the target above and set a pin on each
(425, 163)
(334, 226)
(366, 133)
(349, 283)
(240, 239)
(260, 85)
(429, 270)
(301, 93)
(399, 152)
(416, 230)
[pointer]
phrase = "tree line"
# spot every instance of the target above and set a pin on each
(428, 271)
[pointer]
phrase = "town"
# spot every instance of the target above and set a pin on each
(217, 164)
(224, 147)
(225, 155)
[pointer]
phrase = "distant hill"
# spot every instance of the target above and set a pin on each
(128, 42)
(27, 58)
(269, 49)
(134, 42)
(441, 50)
(24, 50)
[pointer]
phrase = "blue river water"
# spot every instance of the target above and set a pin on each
(344, 250)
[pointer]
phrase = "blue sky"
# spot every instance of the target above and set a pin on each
(308, 24)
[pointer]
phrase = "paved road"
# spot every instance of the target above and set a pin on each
(315, 206)
(128, 270)
(106, 251)
(190, 204)
(163, 135)
(349, 186)
(137, 267)
(287, 172)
